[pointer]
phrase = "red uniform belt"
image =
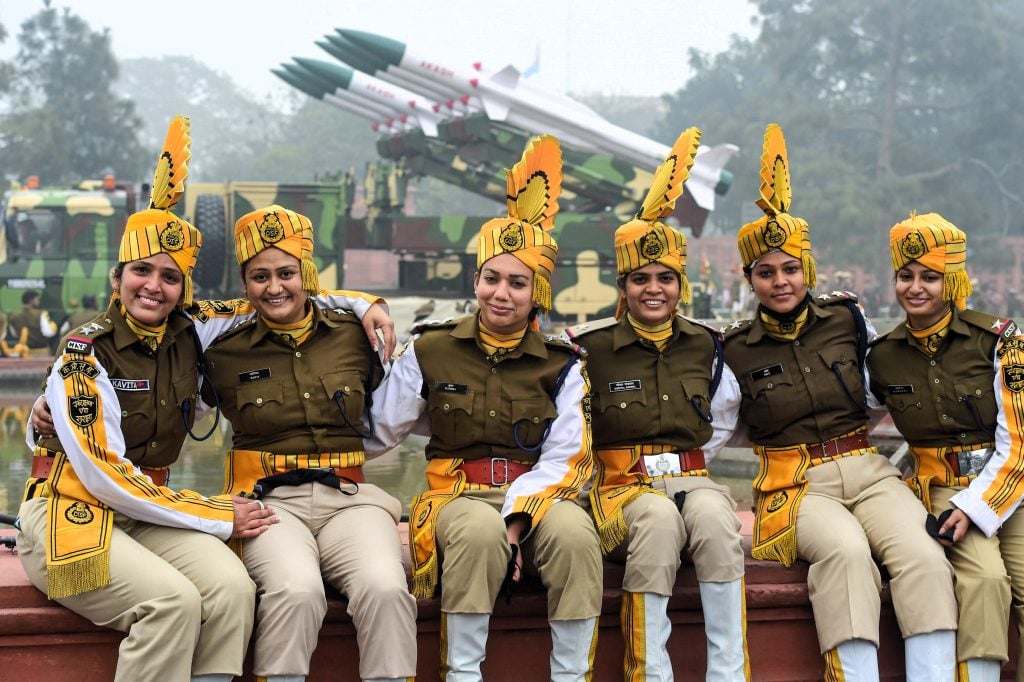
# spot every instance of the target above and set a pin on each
(42, 464)
(354, 474)
(689, 460)
(837, 446)
(493, 470)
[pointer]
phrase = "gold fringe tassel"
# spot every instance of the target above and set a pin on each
(956, 287)
(810, 269)
(187, 301)
(424, 581)
(613, 531)
(781, 549)
(541, 291)
(77, 577)
(685, 293)
(310, 277)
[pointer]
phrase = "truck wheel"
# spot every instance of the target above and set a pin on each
(210, 220)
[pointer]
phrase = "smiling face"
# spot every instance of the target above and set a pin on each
(504, 293)
(652, 293)
(919, 293)
(273, 284)
(778, 282)
(150, 288)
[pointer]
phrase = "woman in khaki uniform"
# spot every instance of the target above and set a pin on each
(952, 379)
(509, 442)
(293, 382)
(823, 493)
(100, 532)
(660, 398)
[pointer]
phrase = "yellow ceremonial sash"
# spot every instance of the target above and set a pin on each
(616, 485)
(932, 467)
(778, 489)
(243, 468)
(78, 532)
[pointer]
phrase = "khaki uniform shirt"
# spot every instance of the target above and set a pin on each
(796, 391)
(289, 400)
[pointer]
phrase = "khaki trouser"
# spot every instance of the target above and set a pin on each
(182, 596)
(986, 571)
(708, 529)
(352, 542)
(856, 508)
(563, 549)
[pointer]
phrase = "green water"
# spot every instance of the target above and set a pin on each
(200, 468)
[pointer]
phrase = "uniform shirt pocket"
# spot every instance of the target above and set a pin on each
(977, 396)
(618, 414)
(345, 393)
(451, 417)
(530, 419)
(252, 398)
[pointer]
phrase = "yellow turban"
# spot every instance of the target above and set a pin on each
(937, 244)
(157, 230)
(281, 228)
(777, 230)
(533, 186)
(645, 239)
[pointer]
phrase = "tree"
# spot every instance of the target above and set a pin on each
(66, 124)
(887, 107)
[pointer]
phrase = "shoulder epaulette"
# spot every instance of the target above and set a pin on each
(717, 331)
(736, 327)
(427, 325)
(236, 330)
(834, 297)
(80, 339)
(558, 342)
(1002, 327)
(578, 330)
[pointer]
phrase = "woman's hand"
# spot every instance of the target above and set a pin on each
(41, 419)
(960, 523)
(252, 517)
(374, 319)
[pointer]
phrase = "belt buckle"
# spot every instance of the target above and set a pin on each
(971, 462)
(824, 448)
(503, 470)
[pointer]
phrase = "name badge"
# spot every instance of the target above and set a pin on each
(625, 385)
(130, 384)
(442, 387)
(663, 464)
(766, 372)
(900, 389)
(253, 375)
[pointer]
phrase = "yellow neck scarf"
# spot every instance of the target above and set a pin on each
(658, 334)
(499, 344)
(295, 333)
(784, 330)
(927, 340)
(149, 335)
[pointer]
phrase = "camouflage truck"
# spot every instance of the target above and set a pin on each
(61, 242)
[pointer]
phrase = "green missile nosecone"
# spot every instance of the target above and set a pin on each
(312, 80)
(298, 84)
(354, 55)
(724, 183)
(387, 49)
(336, 74)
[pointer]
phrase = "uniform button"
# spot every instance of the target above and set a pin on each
(494, 370)
(665, 397)
(963, 435)
(936, 381)
(306, 394)
(493, 413)
(622, 405)
(796, 342)
(153, 444)
(447, 407)
(932, 363)
(347, 389)
(977, 391)
(259, 401)
(771, 385)
(124, 413)
(163, 402)
(298, 353)
(536, 420)
(945, 417)
(807, 370)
